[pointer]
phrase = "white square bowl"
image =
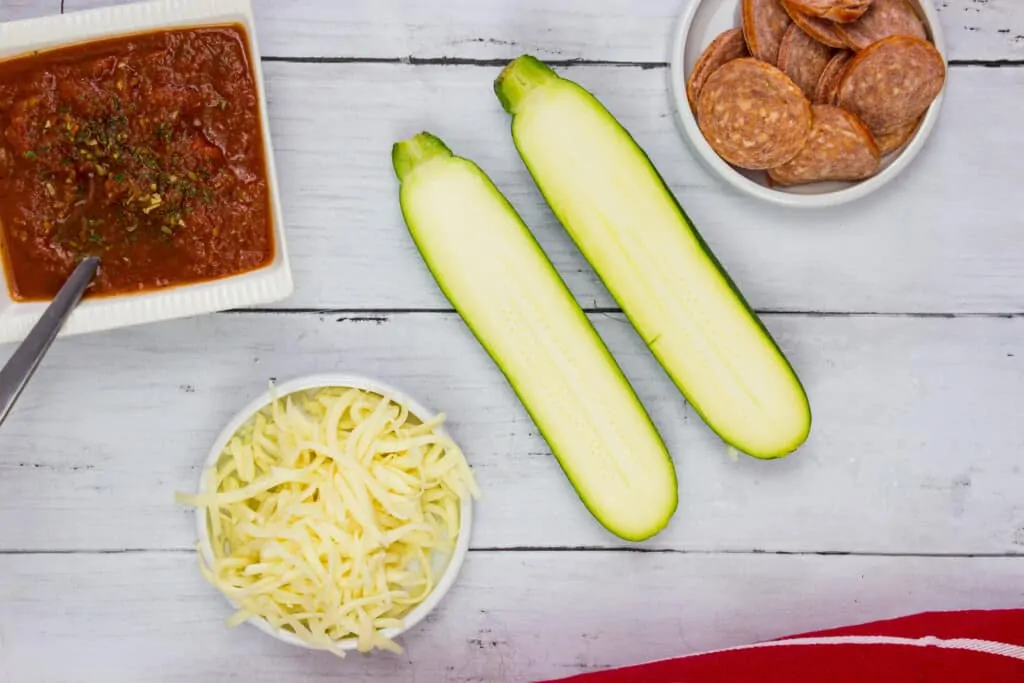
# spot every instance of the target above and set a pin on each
(270, 283)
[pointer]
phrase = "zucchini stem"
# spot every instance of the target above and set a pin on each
(520, 78)
(408, 155)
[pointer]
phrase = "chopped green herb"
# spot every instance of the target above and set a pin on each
(164, 132)
(30, 155)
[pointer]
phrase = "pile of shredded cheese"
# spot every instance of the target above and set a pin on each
(327, 514)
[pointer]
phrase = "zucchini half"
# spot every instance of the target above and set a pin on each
(629, 226)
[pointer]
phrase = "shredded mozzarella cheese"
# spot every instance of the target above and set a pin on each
(330, 513)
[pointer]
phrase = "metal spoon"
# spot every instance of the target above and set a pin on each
(20, 367)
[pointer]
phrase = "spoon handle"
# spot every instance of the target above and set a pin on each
(19, 368)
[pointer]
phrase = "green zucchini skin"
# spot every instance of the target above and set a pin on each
(597, 428)
(527, 85)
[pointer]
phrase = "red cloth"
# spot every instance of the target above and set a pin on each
(940, 647)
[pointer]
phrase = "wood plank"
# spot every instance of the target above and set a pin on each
(618, 30)
(915, 446)
(511, 617)
(942, 238)
(12, 10)
(939, 239)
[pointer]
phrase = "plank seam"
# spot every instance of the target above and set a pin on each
(355, 314)
(756, 551)
(988, 63)
(558, 63)
(462, 61)
(572, 549)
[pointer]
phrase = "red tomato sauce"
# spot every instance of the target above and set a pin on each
(145, 151)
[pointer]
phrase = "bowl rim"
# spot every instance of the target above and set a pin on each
(339, 380)
(686, 123)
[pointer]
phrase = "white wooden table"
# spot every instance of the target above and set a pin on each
(904, 314)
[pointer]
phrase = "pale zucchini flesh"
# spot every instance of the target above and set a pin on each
(494, 273)
(627, 223)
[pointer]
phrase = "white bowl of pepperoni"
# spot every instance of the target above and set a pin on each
(807, 103)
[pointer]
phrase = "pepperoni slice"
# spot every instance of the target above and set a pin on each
(840, 147)
(896, 140)
(728, 46)
(753, 115)
(883, 19)
(892, 82)
(827, 89)
(764, 24)
(822, 30)
(803, 59)
(833, 10)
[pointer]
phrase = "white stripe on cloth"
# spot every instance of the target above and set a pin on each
(990, 647)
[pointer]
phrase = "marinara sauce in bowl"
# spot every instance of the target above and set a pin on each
(151, 151)
(139, 150)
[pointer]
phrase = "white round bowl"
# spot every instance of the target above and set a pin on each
(698, 25)
(415, 408)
